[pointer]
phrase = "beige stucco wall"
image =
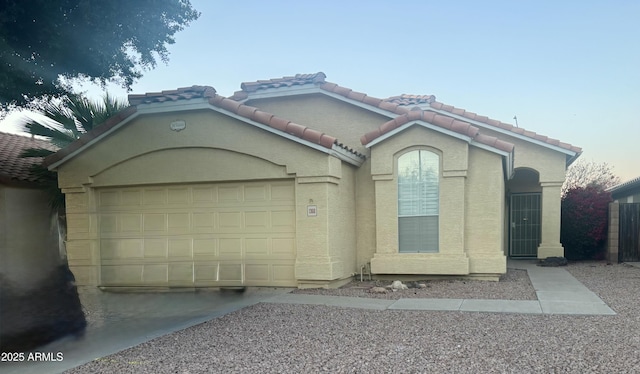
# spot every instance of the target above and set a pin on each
(551, 168)
(485, 213)
(212, 148)
(461, 218)
(348, 123)
(320, 112)
(28, 237)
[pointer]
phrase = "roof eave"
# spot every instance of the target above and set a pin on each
(570, 153)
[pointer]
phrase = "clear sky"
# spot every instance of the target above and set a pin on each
(567, 69)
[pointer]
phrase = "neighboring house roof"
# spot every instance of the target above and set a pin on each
(209, 93)
(395, 104)
(14, 169)
(626, 188)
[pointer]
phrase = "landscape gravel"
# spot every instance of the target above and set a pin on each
(284, 338)
(514, 285)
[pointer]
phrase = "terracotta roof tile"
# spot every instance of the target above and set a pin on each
(505, 126)
(230, 105)
(13, 168)
(445, 122)
(184, 93)
(278, 123)
(296, 80)
(409, 100)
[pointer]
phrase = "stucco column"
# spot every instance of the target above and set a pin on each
(315, 266)
(550, 245)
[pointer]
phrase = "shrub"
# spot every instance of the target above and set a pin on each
(584, 222)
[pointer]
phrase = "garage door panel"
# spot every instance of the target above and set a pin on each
(256, 193)
(202, 234)
(283, 220)
(256, 272)
(178, 196)
(283, 246)
(205, 248)
(229, 247)
(130, 223)
(155, 273)
(283, 272)
(230, 272)
(131, 198)
(229, 194)
(152, 197)
(108, 223)
(256, 246)
(181, 273)
(257, 220)
(109, 199)
(203, 222)
(205, 273)
(180, 249)
(156, 248)
(155, 222)
(282, 191)
(229, 221)
(122, 274)
(122, 249)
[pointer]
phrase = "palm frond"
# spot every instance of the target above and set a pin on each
(83, 111)
(58, 112)
(57, 135)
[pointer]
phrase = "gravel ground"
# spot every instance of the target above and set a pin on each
(514, 285)
(278, 338)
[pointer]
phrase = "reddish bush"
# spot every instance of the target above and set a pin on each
(584, 222)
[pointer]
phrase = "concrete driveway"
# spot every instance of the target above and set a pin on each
(117, 321)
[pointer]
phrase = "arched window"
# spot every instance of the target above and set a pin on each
(418, 201)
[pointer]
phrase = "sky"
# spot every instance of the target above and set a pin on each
(567, 69)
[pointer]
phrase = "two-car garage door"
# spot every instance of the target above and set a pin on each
(223, 234)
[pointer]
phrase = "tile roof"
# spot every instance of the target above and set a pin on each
(194, 92)
(405, 99)
(271, 120)
(184, 93)
(395, 104)
(13, 168)
(439, 120)
(296, 80)
(504, 126)
(621, 188)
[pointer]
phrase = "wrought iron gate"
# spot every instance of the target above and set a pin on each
(525, 218)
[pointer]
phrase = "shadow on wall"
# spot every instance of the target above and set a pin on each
(34, 317)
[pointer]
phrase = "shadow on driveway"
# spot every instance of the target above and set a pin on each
(117, 321)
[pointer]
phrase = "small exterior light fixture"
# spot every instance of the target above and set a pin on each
(178, 125)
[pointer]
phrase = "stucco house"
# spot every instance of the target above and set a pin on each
(296, 181)
(28, 235)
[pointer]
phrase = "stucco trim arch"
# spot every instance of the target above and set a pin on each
(187, 165)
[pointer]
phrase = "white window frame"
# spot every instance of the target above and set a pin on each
(426, 214)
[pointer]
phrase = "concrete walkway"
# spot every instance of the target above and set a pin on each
(557, 290)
